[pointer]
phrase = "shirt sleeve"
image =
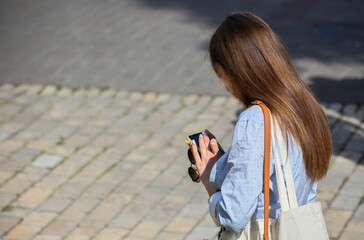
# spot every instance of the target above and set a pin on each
(312, 195)
(233, 206)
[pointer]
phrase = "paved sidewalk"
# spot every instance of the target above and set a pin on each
(109, 164)
(158, 45)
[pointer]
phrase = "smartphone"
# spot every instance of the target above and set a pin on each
(195, 137)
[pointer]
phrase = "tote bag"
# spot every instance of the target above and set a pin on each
(295, 222)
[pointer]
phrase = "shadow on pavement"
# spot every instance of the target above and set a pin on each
(322, 30)
(347, 90)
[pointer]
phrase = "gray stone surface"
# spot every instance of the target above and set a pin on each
(162, 45)
(47, 161)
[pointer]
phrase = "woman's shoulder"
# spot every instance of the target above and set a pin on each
(252, 114)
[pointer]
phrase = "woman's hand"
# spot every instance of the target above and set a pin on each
(209, 154)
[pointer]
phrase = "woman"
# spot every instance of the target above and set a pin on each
(253, 65)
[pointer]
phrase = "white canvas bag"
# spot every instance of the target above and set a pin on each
(295, 222)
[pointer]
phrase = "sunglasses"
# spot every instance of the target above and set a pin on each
(192, 170)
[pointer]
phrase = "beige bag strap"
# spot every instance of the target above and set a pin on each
(284, 189)
(280, 182)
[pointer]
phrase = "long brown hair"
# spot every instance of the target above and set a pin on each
(253, 65)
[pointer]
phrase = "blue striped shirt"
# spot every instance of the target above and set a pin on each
(238, 175)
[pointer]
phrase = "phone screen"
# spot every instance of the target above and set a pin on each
(195, 137)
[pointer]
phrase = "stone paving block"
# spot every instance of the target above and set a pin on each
(86, 230)
(169, 235)
(71, 165)
(325, 198)
(76, 140)
(332, 181)
(7, 86)
(165, 181)
(356, 143)
(72, 215)
(16, 185)
(190, 99)
(194, 210)
(139, 155)
(42, 143)
(132, 186)
(15, 211)
(10, 110)
(99, 165)
(207, 221)
(112, 177)
(51, 182)
(26, 154)
(58, 228)
(161, 215)
(359, 213)
(186, 187)
(352, 188)
(202, 232)
(125, 220)
(98, 190)
(13, 166)
(342, 132)
(6, 199)
(85, 204)
(71, 190)
(91, 130)
(181, 225)
(177, 168)
(27, 135)
(33, 197)
(354, 230)
(55, 204)
(200, 194)
(345, 202)
(354, 183)
(40, 219)
(335, 221)
(104, 212)
(49, 90)
(358, 175)
(64, 92)
(110, 233)
(22, 232)
(173, 202)
(47, 161)
(7, 223)
(153, 194)
(32, 174)
(3, 136)
(10, 145)
(46, 237)
(147, 229)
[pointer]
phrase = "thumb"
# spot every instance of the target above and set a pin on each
(214, 146)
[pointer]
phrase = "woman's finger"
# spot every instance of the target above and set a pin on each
(201, 142)
(195, 153)
(214, 146)
(206, 140)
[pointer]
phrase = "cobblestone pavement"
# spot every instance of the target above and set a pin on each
(108, 161)
(110, 164)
